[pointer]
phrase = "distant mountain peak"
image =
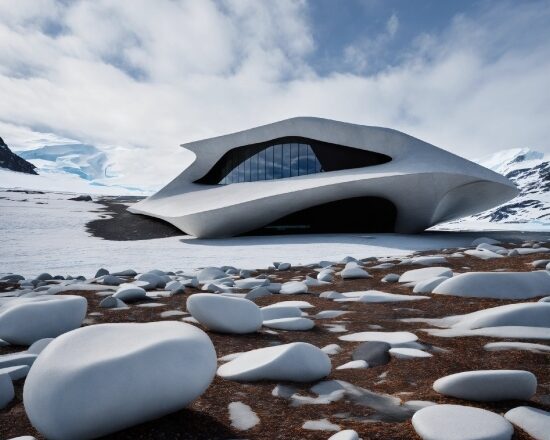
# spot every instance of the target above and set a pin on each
(11, 161)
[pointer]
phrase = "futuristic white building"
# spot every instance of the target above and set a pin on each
(317, 175)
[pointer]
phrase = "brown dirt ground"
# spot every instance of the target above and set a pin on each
(207, 417)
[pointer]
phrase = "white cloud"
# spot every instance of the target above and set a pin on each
(141, 77)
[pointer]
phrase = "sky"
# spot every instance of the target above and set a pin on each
(139, 77)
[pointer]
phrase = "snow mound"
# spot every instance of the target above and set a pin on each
(131, 372)
(416, 275)
(456, 422)
(376, 296)
(293, 288)
(408, 353)
(242, 417)
(488, 385)
(347, 434)
(26, 320)
(527, 346)
(498, 285)
(269, 313)
(225, 314)
(295, 362)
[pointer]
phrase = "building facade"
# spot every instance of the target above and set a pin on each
(317, 175)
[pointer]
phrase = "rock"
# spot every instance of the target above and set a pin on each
(295, 362)
(376, 296)
(125, 273)
(483, 254)
(499, 285)
(258, 292)
(299, 304)
(293, 288)
(129, 293)
(488, 385)
(290, 323)
(13, 278)
(325, 275)
(353, 364)
(112, 280)
(38, 346)
(154, 281)
(456, 422)
(101, 272)
(44, 276)
(210, 273)
(486, 240)
(417, 275)
(251, 283)
(513, 252)
(391, 278)
(153, 369)
(314, 281)
(428, 285)
(392, 338)
(283, 266)
(533, 421)
(375, 353)
(269, 313)
(540, 264)
(26, 320)
(175, 287)
(224, 313)
(81, 198)
(14, 359)
(112, 303)
(347, 434)
(351, 273)
(7, 392)
(428, 260)
(332, 349)
(408, 353)
(15, 372)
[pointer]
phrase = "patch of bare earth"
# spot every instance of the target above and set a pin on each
(207, 417)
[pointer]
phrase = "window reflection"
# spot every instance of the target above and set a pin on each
(275, 162)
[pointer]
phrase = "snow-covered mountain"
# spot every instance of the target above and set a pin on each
(530, 171)
(11, 161)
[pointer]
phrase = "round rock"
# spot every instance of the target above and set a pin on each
(129, 293)
(456, 422)
(225, 314)
(488, 385)
(375, 353)
(153, 369)
(295, 362)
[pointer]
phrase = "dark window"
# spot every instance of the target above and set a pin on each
(287, 157)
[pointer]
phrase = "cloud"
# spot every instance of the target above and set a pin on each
(138, 77)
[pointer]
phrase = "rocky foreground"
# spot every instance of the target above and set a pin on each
(435, 346)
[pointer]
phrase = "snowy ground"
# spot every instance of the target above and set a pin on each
(46, 232)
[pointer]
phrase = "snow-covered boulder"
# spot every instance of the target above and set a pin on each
(130, 292)
(354, 272)
(153, 281)
(533, 421)
(112, 303)
(290, 323)
(225, 314)
(499, 285)
(325, 275)
(295, 362)
(391, 278)
(293, 288)
(428, 260)
(416, 275)
(457, 422)
(428, 285)
(26, 320)
(346, 434)
(486, 240)
(488, 385)
(210, 273)
(258, 292)
(251, 283)
(408, 353)
(131, 372)
(112, 280)
(484, 254)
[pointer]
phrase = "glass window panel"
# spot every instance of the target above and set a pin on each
(302, 164)
(269, 163)
(286, 160)
(294, 159)
(277, 161)
(254, 168)
(261, 165)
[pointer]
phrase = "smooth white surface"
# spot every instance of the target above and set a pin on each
(444, 186)
(7, 392)
(130, 292)
(499, 285)
(456, 422)
(290, 323)
(225, 314)
(488, 385)
(376, 296)
(392, 338)
(408, 353)
(347, 434)
(269, 313)
(416, 275)
(533, 421)
(242, 417)
(132, 372)
(294, 362)
(527, 346)
(26, 320)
